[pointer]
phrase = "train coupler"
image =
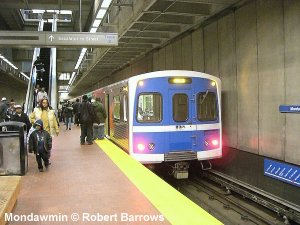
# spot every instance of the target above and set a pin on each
(206, 165)
(181, 170)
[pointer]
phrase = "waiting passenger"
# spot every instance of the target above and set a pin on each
(19, 116)
(68, 115)
(87, 117)
(11, 109)
(40, 142)
(3, 110)
(98, 125)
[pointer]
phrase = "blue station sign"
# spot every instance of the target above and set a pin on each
(289, 108)
(282, 171)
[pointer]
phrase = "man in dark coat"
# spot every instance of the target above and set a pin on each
(19, 116)
(76, 111)
(98, 126)
(87, 117)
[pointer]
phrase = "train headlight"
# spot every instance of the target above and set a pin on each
(213, 83)
(215, 142)
(211, 142)
(141, 147)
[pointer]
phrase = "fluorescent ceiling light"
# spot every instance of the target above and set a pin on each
(106, 3)
(96, 23)
(38, 11)
(93, 30)
(101, 13)
(25, 75)
(66, 12)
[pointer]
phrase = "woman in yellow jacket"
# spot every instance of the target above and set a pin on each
(46, 114)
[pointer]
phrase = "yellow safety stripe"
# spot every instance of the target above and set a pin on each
(176, 208)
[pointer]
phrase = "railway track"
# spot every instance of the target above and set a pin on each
(231, 203)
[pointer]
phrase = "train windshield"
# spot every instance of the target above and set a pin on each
(149, 108)
(207, 106)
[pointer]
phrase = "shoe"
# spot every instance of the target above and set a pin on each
(82, 143)
(90, 143)
(41, 170)
(70, 128)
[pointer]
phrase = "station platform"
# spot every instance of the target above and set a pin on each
(99, 183)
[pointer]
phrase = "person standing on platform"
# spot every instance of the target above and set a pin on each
(45, 113)
(3, 110)
(19, 116)
(11, 109)
(98, 126)
(87, 117)
(76, 111)
(40, 142)
(68, 114)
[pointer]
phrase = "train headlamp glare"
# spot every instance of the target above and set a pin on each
(141, 147)
(213, 83)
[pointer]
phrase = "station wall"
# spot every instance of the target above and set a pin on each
(255, 50)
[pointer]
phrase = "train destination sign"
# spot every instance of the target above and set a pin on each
(57, 39)
(289, 108)
(282, 171)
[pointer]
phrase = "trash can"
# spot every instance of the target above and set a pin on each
(13, 148)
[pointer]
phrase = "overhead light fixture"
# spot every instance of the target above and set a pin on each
(93, 29)
(96, 23)
(24, 75)
(101, 13)
(38, 11)
(105, 3)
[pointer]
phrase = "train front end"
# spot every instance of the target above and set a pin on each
(176, 117)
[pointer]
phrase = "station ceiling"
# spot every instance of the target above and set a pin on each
(142, 25)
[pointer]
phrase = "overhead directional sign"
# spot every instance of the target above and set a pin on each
(57, 39)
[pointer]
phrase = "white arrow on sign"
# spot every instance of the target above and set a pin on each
(51, 38)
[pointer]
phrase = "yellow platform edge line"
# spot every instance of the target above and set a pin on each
(176, 208)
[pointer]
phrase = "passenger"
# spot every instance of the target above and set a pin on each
(76, 111)
(40, 142)
(3, 109)
(39, 66)
(87, 117)
(98, 125)
(11, 109)
(19, 116)
(36, 91)
(41, 95)
(68, 114)
(45, 113)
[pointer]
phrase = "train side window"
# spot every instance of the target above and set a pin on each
(149, 108)
(206, 106)
(180, 107)
(116, 110)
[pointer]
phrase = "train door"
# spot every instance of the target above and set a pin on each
(182, 136)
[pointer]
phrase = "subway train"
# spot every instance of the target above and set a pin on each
(165, 116)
